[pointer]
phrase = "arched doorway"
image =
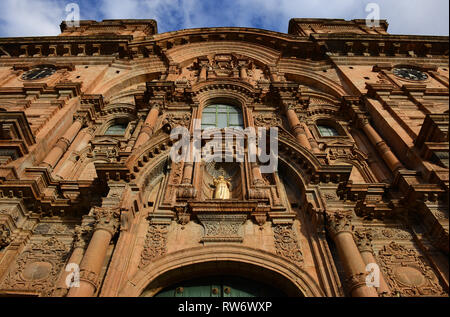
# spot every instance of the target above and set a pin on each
(221, 286)
(221, 260)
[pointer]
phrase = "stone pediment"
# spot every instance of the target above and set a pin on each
(105, 141)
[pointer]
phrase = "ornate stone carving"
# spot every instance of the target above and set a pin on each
(52, 229)
(363, 241)
(391, 234)
(183, 216)
(107, 218)
(90, 277)
(407, 273)
(82, 234)
(14, 213)
(354, 281)
(286, 243)
(5, 236)
(222, 228)
(268, 121)
(339, 222)
(155, 243)
(38, 267)
(177, 120)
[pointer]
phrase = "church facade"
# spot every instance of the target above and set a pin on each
(351, 201)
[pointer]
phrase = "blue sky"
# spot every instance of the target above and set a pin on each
(42, 17)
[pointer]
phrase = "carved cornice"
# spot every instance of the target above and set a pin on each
(382, 45)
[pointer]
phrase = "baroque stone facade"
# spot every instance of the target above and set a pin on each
(92, 204)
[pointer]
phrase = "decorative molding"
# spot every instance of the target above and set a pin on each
(155, 244)
(286, 243)
(38, 267)
(363, 241)
(391, 233)
(5, 236)
(107, 218)
(407, 273)
(222, 228)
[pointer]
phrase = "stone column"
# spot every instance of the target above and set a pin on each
(148, 127)
(257, 176)
(76, 257)
(243, 65)
(188, 168)
(65, 169)
(203, 71)
(107, 223)
(340, 228)
(364, 243)
(63, 143)
(383, 149)
(311, 140)
(297, 127)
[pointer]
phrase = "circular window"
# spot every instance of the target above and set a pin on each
(410, 74)
(39, 72)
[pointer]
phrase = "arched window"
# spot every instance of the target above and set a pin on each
(222, 116)
(326, 130)
(117, 129)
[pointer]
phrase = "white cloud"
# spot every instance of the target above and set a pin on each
(30, 18)
(42, 17)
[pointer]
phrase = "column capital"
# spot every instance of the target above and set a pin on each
(339, 222)
(107, 218)
(363, 241)
(289, 105)
(82, 117)
(81, 233)
(157, 104)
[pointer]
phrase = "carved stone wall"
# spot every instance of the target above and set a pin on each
(37, 268)
(155, 243)
(360, 146)
(286, 243)
(408, 273)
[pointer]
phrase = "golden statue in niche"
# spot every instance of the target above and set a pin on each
(222, 188)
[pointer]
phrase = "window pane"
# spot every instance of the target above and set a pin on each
(117, 129)
(222, 116)
(222, 120)
(209, 118)
(327, 131)
(236, 119)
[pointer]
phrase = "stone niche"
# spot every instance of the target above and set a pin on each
(230, 171)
